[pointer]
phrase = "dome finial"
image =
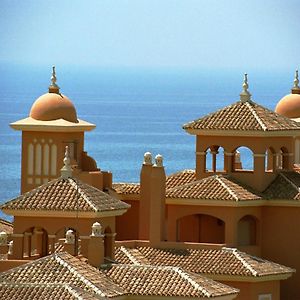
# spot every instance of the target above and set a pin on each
(66, 170)
(245, 95)
(53, 88)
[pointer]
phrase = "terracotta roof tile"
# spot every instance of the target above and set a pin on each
(42, 291)
(224, 261)
(165, 281)
(172, 180)
(65, 195)
(285, 186)
(243, 116)
(180, 178)
(216, 187)
(6, 226)
(63, 268)
(126, 188)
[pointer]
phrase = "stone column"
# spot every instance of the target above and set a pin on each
(51, 241)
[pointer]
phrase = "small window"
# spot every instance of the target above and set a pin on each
(265, 297)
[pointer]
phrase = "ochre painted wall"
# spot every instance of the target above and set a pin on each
(251, 291)
(281, 243)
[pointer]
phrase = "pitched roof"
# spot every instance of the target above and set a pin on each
(63, 268)
(6, 226)
(216, 187)
(172, 180)
(224, 261)
(165, 281)
(43, 291)
(285, 186)
(65, 195)
(243, 116)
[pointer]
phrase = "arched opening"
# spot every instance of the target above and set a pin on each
(108, 243)
(270, 160)
(35, 242)
(247, 231)
(243, 159)
(215, 161)
(282, 160)
(201, 228)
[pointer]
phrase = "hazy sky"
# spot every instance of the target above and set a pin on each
(248, 34)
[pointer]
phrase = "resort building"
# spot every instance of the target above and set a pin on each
(220, 231)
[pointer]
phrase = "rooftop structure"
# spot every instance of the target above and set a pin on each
(193, 234)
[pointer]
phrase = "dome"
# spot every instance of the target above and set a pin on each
(289, 106)
(53, 106)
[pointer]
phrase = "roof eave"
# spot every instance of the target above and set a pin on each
(63, 214)
(218, 132)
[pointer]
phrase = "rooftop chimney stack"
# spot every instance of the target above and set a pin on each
(96, 246)
(145, 197)
(157, 204)
(69, 245)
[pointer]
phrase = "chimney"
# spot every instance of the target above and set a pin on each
(237, 161)
(145, 197)
(157, 203)
(69, 245)
(96, 247)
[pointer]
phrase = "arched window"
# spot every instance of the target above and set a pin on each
(30, 155)
(243, 159)
(53, 159)
(201, 228)
(270, 160)
(215, 161)
(247, 231)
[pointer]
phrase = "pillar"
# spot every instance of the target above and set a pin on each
(110, 246)
(200, 165)
(18, 246)
(27, 243)
(228, 165)
(51, 239)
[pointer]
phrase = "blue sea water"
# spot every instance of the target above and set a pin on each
(135, 111)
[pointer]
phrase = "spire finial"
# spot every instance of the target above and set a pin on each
(53, 88)
(245, 95)
(296, 80)
(66, 170)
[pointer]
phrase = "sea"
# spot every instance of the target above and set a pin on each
(135, 110)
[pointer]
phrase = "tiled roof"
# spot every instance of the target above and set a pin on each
(216, 187)
(179, 178)
(126, 188)
(244, 116)
(63, 268)
(172, 180)
(65, 195)
(285, 186)
(165, 281)
(6, 226)
(42, 291)
(224, 261)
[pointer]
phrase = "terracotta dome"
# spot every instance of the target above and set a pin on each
(289, 106)
(53, 106)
